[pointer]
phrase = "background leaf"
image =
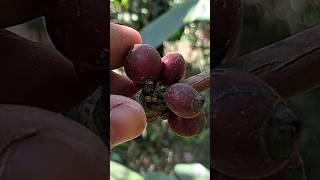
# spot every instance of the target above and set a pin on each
(120, 172)
(194, 171)
(158, 176)
(166, 25)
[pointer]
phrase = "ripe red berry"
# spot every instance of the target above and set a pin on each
(254, 132)
(142, 63)
(183, 100)
(186, 127)
(173, 68)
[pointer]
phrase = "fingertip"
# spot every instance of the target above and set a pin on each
(122, 39)
(122, 85)
(127, 119)
(133, 35)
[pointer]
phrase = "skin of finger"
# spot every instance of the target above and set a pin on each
(122, 39)
(37, 75)
(127, 119)
(121, 85)
(14, 12)
(37, 144)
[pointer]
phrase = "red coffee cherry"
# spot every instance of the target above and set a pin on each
(183, 100)
(254, 132)
(142, 63)
(36, 144)
(173, 68)
(186, 127)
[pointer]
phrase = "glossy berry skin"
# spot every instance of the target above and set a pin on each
(254, 132)
(173, 68)
(183, 100)
(186, 127)
(142, 63)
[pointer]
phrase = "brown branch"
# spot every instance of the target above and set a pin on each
(200, 82)
(290, 66)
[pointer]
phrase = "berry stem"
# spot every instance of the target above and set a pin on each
(200, 82)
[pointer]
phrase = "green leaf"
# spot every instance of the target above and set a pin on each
(158, 176)
(166, 25)
(194, 171)
(115, 157)
(124, 3)
(119, 172)
(200, 12)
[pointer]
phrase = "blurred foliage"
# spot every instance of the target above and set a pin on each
(158, 150)
(193, 171)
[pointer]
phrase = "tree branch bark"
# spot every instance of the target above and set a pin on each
(290, 66)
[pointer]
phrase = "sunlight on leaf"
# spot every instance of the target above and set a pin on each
(166, 25)
(120, 172)
(194, 171)
(200, 12)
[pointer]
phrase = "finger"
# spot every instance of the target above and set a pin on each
(121, 85)
(127, 119)
(36, 75)
(79, 30)
(58, 147)
(122, 39)
(14, 12)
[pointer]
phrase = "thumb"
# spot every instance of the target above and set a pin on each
(127, 119)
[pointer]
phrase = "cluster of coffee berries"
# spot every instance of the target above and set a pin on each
(161, 94)
(254, 132)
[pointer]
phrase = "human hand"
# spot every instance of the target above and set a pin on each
(127, 117)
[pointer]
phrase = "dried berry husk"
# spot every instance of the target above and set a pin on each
(254, 132)
(151, 97)
(37, 75)
(226, 29)
(36, 144)
(294, 170)
(186, 127)
(142, 63)
(173, 68)
(78, 29)
(183, 100)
